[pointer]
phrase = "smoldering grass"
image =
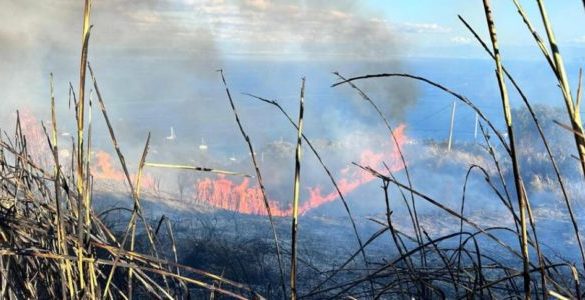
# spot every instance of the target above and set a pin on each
(325, 168)
(54, 245)
(369, 100)
(38, 233)
(546, 266)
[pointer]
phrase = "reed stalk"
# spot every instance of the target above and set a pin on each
(260, 182)
(521, 196)
(296, 197)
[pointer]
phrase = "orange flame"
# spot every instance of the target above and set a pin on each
(39, 150)
(245, 198)
(104, 169)
(225, 194)
(36, 140)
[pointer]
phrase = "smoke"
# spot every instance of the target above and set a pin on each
(155, 62)
(146, 53)
(139, 49)
(344, 36)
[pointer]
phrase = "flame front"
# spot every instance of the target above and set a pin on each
(104, 169)
(224, 193)
(243, 197)
(36, 140)
(246, 197)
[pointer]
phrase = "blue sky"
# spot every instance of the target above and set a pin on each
(567, 16)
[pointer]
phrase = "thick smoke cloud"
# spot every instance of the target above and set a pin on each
(145, 48)
(156, 62)
(131, 41)
(348, 36)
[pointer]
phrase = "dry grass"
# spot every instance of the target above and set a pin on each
(474, 272)
(53, 244)
(40, 241)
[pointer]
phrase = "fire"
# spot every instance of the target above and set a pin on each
(225, 194)
(36, 140)
(246, 198)
(103, 169)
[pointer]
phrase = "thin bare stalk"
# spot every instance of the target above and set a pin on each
(260, 183)
(80, 125)
(137, 192)
(296, 197)
(559, 69)
(522, 201)
(542, 137)
(194, 168)
(327, 171)
(66, 280)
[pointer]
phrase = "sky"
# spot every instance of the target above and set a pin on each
(285, 29)
(566, 16)
(156, 63)
(155, 49)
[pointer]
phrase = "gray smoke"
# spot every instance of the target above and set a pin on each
(156, 62)
(136, 47)
(348, 36)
